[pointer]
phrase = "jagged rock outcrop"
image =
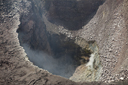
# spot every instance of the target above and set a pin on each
(108, 28)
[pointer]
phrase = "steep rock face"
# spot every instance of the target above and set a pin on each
(33, 30)
(35, 33)
(91, 70)
(14, 66)
(108, 28)
(72, 14)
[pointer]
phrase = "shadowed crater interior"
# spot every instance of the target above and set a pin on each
(55, 52)
(72, 14)
(60, 57)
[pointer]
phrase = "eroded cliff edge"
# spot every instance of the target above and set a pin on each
(108, 28)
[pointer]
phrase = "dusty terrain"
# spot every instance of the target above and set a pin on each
(108, 28)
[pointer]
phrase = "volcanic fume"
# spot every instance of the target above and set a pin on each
(43, 41)
(45, 46)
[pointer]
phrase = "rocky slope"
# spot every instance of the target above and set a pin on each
(109, 29)
(104, 35)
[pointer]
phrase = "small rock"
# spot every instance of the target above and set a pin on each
(121, 78)
(112, 39)
(110, 50)
(116, 51)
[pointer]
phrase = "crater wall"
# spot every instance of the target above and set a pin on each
(108, 28)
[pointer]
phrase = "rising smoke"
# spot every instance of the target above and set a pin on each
(91, 61)
(62, 66)
(33, 28)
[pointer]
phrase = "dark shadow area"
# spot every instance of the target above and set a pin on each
(72, 14)
(64, 57)
(55, 53)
